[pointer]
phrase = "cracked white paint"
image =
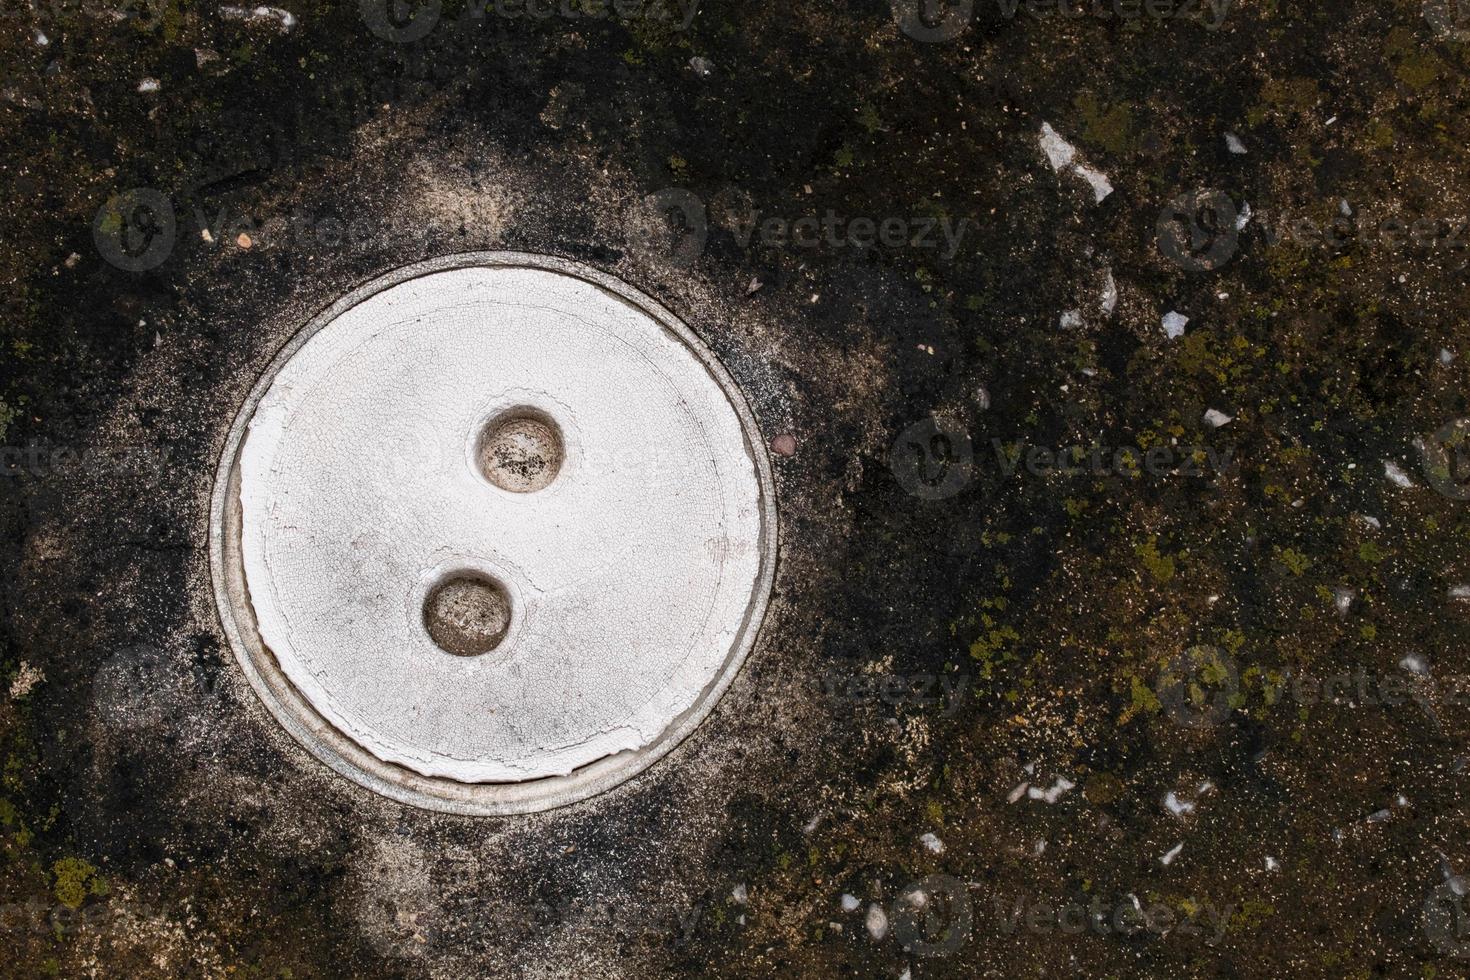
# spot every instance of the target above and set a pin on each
(631, 575)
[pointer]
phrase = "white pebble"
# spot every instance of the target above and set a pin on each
(1173, 324)
(1097, 180)
(1058, 151)
(932, 844)
(283, 19)
(1396, 474)
(1168, 859)
(877, 921)
(1063, 155)
(850, 903)
(1233, 144)
(1214, 419)
(1415, 664)
(1057, 790)
(1176, 806)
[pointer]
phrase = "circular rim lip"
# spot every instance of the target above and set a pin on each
(350, 759)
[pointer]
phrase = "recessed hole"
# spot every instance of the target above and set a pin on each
(467, 614)
(521, 450)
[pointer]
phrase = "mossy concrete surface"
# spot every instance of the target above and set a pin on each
(1062, 674)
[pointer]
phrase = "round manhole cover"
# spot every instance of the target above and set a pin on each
(493, 533)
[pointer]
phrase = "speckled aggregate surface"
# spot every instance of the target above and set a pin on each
(969, 676)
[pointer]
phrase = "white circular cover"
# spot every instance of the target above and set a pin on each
(633, 577)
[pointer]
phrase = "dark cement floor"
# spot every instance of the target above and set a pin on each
(1173, 698)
